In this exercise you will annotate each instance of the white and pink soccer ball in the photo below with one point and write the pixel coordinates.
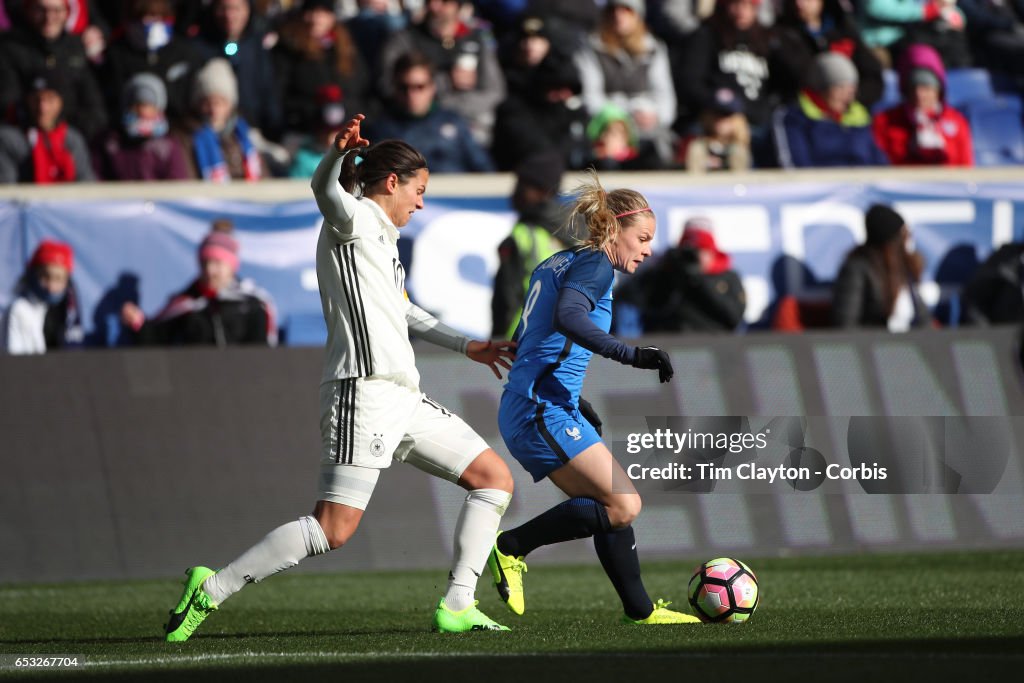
(723, 591)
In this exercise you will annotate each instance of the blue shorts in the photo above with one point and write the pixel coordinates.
(542, 436)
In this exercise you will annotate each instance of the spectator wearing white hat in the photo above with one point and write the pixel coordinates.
(220, 145)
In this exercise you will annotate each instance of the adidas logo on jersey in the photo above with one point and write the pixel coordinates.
(574, 433)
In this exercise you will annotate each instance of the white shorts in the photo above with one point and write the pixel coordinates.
(367, 423)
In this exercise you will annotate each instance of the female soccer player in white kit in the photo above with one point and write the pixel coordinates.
(372, 410)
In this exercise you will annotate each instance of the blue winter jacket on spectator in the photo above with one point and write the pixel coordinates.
(806, 137)
(442, 136)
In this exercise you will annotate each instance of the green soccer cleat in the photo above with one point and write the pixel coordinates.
(194, 606)
(663, 615)
(508, 578)
(469, 619)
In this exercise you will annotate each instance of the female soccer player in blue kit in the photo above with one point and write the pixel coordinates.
(565, 320)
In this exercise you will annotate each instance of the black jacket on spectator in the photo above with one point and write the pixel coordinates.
(995, 32)
(237, 315)
(300, 77)
(26, 54)
(176, 64)
(798, 48)
(716, 56)
(993, 295)
(678, 297)
(527, 123)
(858, 298)
(258, 101)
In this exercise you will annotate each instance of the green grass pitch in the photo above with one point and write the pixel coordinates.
(927, 617)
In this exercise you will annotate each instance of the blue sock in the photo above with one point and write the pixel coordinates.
(574, 518)
(617, 551)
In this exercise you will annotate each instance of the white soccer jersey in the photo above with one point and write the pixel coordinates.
(362, 285)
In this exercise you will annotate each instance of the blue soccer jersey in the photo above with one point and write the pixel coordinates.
(549, 367)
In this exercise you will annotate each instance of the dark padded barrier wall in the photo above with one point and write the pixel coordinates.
(140, 463)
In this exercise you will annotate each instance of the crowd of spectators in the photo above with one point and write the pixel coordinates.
(249, 89)
(692, 287)
(224, 90)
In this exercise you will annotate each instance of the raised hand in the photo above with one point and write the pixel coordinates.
(350, 137)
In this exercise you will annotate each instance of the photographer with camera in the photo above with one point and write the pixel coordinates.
(693, 287)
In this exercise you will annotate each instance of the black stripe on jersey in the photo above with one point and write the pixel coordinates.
(349, 296)
(362, 312)
(360, 343)
(350, 437)
(546, 435)
(339, 427)
(344, 445)
(553, 366)
(340, 419)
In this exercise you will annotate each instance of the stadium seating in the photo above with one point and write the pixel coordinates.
(996, 129)
(890, 92)
(968, 85)
(962, 85)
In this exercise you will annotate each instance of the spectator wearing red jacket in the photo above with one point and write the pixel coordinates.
(924, 129)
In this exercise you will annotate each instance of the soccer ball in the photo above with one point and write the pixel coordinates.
(723, 591)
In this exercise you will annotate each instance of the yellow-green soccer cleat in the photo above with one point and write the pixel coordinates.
(663, 615)
(508, 578)
(194, 606)
(469, 619)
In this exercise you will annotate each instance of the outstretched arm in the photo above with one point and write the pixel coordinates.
(427, 327)
(572, 320)
(430, 329)
(337, 206)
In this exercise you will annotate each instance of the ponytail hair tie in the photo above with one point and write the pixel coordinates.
(626, 213)
(358, 160)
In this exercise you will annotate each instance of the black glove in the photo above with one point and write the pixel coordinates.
(590, 415)
(653, 358)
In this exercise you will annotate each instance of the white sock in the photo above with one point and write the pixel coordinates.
(281, 549)
(474, 535)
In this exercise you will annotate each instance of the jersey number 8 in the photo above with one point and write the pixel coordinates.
(531, 301)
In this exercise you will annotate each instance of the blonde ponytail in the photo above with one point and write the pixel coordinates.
(603, 213)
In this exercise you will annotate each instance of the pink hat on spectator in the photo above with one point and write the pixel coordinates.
(220, 246)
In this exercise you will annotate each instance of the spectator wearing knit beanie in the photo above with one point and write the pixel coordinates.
(826, 126)
(141, 147)
(44, 315)
(221, 147)
(923, 129)
(877, 283)
(216, 309)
